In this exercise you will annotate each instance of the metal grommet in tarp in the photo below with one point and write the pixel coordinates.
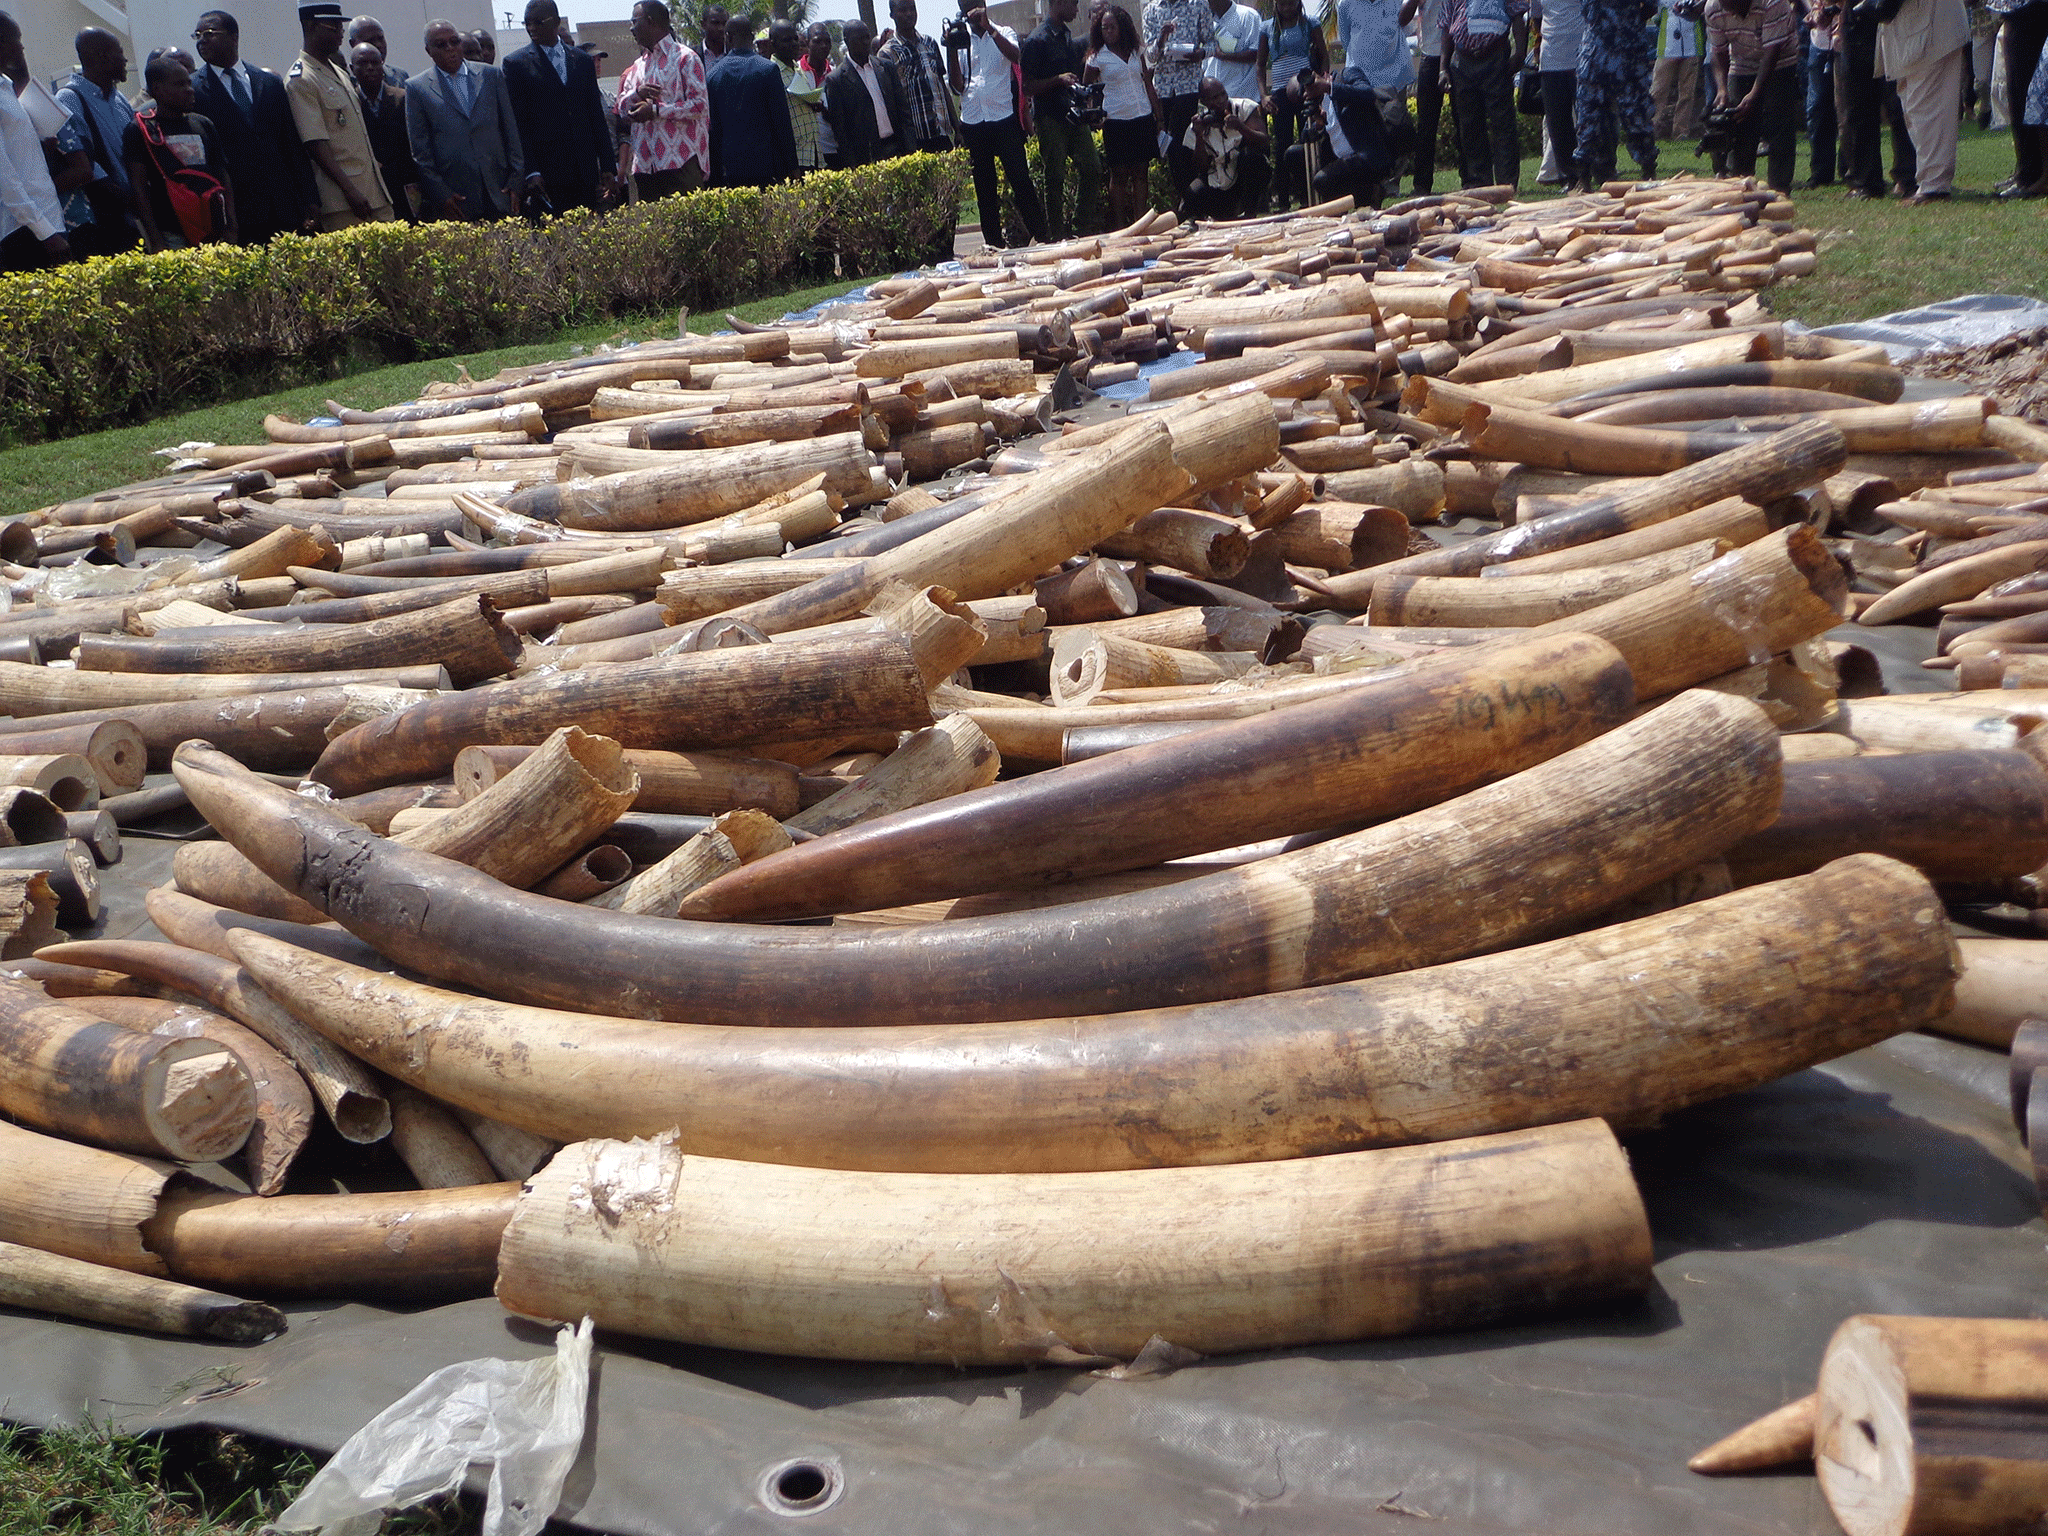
(802, 1486)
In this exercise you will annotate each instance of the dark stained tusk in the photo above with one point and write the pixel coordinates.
(1575, 1027)
(1418, 735)
(65, 1071)
(1573, 835)
(703, 699)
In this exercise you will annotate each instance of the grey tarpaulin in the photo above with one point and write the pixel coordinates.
(1968, 321)
(1890, 1181)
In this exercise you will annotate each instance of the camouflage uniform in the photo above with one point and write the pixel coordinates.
(1614, 77)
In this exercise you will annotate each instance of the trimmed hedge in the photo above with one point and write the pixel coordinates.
(120, 338)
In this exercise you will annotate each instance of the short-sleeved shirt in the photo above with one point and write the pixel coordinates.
(1481, 27)
(1746, 37)
(325, 106)
(1564, 25)
(77, 202)
(1194, 27)
(1287, 50)
(991, 93)
(1237, 31)
(1375, 48)
(191, 141)
(102, 117)
(1225, 139)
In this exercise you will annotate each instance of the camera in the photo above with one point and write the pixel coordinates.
(1084, 106)
(954, 32)
(1719, 135)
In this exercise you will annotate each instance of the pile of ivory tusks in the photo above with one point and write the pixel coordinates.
(820, 840)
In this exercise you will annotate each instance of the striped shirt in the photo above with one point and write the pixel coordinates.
(1287, 50)
(1745, 38)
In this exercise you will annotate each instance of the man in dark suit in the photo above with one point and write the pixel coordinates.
(383, 106)
(560, 112)
(267, 164)
(752, 143)
(864, 102)
(459, 118)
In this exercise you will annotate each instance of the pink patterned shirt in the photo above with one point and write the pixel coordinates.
(681, 127)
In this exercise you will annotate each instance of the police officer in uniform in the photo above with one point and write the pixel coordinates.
(330, 121)
(1614, 81)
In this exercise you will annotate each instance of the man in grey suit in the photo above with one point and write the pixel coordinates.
(459, 117)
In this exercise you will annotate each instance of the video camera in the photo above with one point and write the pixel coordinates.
(1718, 138)
(1084, 106)
(955, 33)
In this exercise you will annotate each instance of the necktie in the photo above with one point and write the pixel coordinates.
(465, 85)
(240, 92)
(559, 56)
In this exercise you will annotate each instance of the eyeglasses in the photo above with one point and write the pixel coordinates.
(205, 32)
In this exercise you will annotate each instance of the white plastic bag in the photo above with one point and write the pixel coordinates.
(524, 1418)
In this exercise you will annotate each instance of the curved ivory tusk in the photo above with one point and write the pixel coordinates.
(536, 817)
(705, 699)
(1499, 601)
(49, 1282)
(465, 636)
(1760, 472)
(66, 1071)
(1412, 736)
(215, 873)
(1555, 843)
(693, 783)
(987, 1269)
(1955, 816)
(1023, 531)
(26, 690)
(1734, 612)
(1630, 1022)
(352, 1097)
(1781, 1438)
(79, 1201)
(2001, 988)
(195, 924)
(427, 1242)
(436, 1150)
(284, 1104)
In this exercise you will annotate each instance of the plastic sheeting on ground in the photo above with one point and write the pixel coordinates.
(1890, 1181)
(1968, 321)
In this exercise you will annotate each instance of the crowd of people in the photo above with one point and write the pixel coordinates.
(1246, 110)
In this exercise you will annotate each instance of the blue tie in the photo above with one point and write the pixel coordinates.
(465, 87)
(240, 93)
(559, 57)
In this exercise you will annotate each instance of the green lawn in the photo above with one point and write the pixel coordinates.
(42, 473)
(89, 1482)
